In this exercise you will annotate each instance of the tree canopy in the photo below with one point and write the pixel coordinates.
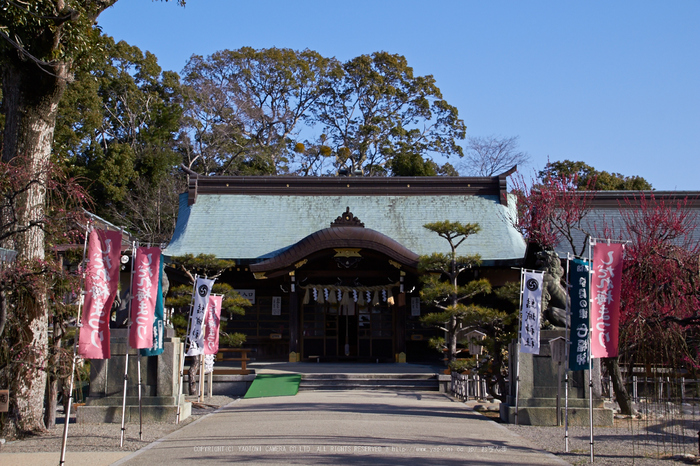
(40, 44)
(587, 177)
(378, 109)
(253, 111)
(245, 107)
(117, 131)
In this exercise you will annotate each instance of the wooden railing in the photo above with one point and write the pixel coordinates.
(222, 356)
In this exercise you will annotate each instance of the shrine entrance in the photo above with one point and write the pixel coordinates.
(348, 292)
(350, 332)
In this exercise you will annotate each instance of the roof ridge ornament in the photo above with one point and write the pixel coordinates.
(347, 220)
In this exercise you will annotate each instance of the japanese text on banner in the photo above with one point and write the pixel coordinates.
(605, 299)
(213, 319)
(145, 294)
(530, 313)
(579, 277)
(199, 311)
(158, 325)
(101, 281)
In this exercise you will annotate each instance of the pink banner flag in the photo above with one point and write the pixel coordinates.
(144, 295)
(101, 281)
(211, 329)
(605, 299)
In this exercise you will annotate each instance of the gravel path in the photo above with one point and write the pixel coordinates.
(627, 443)
(623, 444)
(106, 437)
(658, 439)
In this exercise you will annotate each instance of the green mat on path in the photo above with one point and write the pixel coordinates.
(274, 385)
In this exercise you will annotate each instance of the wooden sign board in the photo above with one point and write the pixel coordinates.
(558, 346)
(277, 305)
(247, 294)
(415, 307)
(473, 337)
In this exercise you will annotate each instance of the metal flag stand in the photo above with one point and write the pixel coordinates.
(520, 337)
(75, 349)
(126, 357)
(200, 392)
(568, 343)
(591, 243)
(138, 369)
(182, 352)
(517, 346)
(138, 355)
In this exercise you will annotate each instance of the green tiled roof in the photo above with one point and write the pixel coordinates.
(244, 226)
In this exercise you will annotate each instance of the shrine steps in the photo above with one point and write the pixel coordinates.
(353, 381)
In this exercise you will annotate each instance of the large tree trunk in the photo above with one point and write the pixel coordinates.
(453, 326)
(192, 373)
(30, 104)
(621, 395)
(54, 373)
(51, 402)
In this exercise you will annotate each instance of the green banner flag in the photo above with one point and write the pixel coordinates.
(158, 322)
(579, 351)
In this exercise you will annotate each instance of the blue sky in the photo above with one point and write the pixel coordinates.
(613, 84)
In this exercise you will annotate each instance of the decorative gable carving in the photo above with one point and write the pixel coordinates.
(347, 220)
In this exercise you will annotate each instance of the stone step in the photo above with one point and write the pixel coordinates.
(369, 376)
(419, 382)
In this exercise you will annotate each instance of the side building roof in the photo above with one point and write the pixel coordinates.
(256, 218)
(606, 210)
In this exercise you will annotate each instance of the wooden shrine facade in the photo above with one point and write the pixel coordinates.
(330, 264)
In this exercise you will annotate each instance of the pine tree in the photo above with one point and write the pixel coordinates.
(442, 288)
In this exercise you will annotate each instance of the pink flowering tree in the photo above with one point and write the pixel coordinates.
(660, 284)
(551, 211)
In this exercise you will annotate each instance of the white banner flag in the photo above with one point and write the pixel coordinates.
(199, 312)
(530, 313)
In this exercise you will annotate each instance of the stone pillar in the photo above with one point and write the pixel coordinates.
(537, 389)
(159, 384)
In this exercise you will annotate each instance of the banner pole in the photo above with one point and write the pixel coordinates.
(182, 352)
(126, 376)
(138, 368)
(591, 243)
(126, 357)
(75, 349)
(200, 392)
(517, 347)
(567, 352)
(179, 388)
(211, 384)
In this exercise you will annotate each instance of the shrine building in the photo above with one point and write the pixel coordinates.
(329, 264)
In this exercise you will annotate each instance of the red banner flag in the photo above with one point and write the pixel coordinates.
(144, 295)
(211, 330)
(605, 299)
(101, 281)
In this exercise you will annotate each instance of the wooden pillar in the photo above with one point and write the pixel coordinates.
(400, 325)
(294, 322)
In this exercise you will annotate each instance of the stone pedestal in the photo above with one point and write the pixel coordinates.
(537, 390)
(159, 384)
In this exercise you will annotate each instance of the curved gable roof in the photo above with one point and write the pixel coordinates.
(339, 237)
